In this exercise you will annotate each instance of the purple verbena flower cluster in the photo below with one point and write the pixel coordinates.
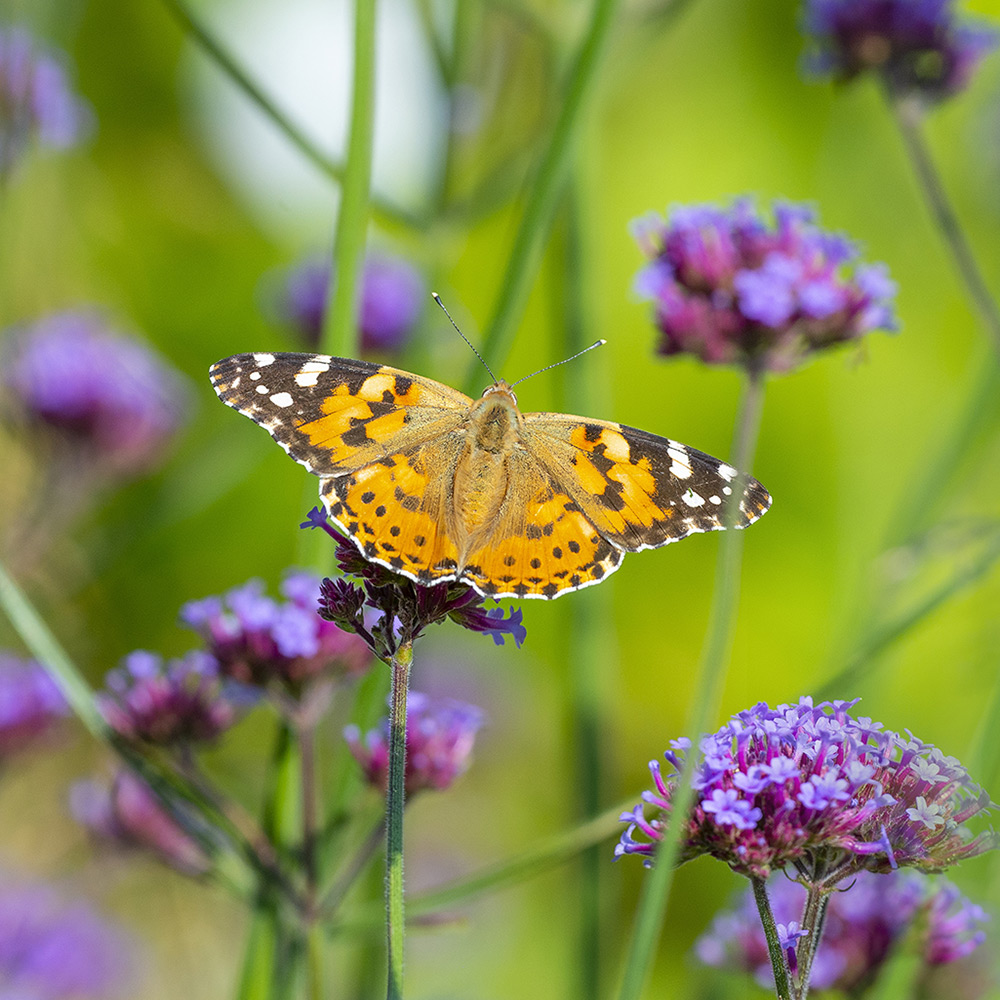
(920, 45)
(103, 393)
(731, 287)
(440, 734)
(392, 299)
(128, 814)
(258, 640)
(54, 949)
(815, 790)
(30, 704)
(386, 608)
(864, 922)
(36, 100)
(163, 703)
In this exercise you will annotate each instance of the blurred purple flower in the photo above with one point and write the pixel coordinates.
(258, 640)
(35, 99)
(731, 287)
(128, 814)
(864, 922)
(814, 790)
(440, 734)
(30, 703)
(398, 610)
(147, 700)
(392, 299)
(100, 391)
(53, 949)
(919, 45)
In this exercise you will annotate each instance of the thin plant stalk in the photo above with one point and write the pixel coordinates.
(310, 860)
(546, 191)
(401, 662)
(813, 919)
(340, 326)
(779, 966)
(385, 211)
(708, 687)
(908, 113)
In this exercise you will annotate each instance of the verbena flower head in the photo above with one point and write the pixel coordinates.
(392, 299)
(55, 949)
(864, 922)
(259, 640)
(440, 734)
(36, 101)
(921, 46)
(100, 392)
(30, 704)
(164, 703)
(128, 814)
(731, 286)
(387, 609)
(821, 793)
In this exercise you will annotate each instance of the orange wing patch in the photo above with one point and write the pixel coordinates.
(395, 510)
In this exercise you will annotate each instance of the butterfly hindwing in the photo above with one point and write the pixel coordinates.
(336, 414)
(640, 491)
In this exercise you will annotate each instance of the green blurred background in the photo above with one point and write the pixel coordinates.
(182, 207)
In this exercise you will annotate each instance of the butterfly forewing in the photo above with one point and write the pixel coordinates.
(640, 491)
(336, 414)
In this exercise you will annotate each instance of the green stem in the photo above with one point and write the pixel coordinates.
(778, 964)
(545, 193)
(909, 117)
(45, 648)
(310, 868)
(813, 918)
(715, 655)
(340, 327)
(386, 211)
(401, 662)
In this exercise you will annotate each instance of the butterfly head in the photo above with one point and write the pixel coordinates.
(496, 418)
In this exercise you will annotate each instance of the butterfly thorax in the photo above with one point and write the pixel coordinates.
(481, 475)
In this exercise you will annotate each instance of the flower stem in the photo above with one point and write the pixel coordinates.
(386, 211)
(546, 190)
(402, 659)
(909, 116)
(340, 328)
(45, 648)
(714, 658)
(813, 918)
(314, 939)
(774, 950)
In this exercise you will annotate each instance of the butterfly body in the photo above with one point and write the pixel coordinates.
(440, 487)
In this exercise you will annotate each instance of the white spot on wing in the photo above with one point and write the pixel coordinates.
(693, 499)
(679, 466)
(254, 376)
(306, 379)
(263, 360)
(727, 472)
(262, 389)
(282, 399)
(715, 499)
(728, 490)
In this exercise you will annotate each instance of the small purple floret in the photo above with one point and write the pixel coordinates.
(919, 45)
(30, 704)
(36, 101)
(101, 392)
(732, 287)
(802, 785)
(392, 299)
(440, 734)
(864, 922)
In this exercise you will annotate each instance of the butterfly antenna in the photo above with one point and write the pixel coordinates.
(597, 343)
(437, 299)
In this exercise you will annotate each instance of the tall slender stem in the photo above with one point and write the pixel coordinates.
(395, 801)
(340, 320)
(385, 210)
(813, 918)
(778, 964)
(310, 863)
(909, 116)
(546, 190)
(712, 669)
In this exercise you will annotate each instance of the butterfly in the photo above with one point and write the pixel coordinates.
(440, 487)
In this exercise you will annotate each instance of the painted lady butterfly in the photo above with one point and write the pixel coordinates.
(437, 486)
